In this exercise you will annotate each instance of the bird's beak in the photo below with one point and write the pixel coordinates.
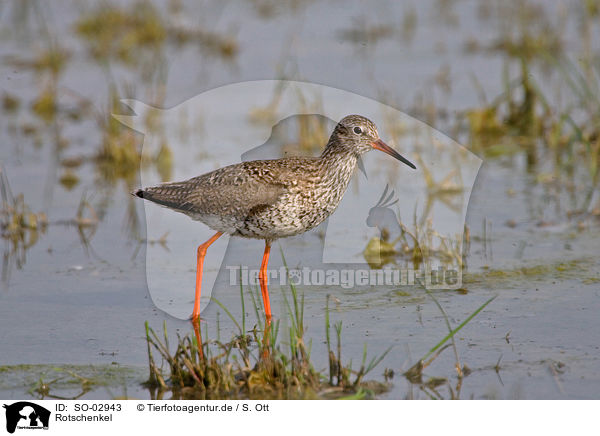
(382, 146)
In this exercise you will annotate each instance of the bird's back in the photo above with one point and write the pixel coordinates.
(227, 197)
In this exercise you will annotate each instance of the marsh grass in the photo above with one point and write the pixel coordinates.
(522, 118)
(561, 145)
(119, 155)
(135, 34)
(20, 227)
(340, 375)
(257, 363)
(273, 360)
(415, 372)
(248, 366)
(67, 382)
(10, 103)
(362, 33)
(429, 385)
(418, 245)
(511, 122)
(116, 32)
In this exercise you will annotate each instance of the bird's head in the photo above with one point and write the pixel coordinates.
(360, 135)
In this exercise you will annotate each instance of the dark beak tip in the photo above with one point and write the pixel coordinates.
(382, 146)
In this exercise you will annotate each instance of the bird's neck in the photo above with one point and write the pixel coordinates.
(339, 163)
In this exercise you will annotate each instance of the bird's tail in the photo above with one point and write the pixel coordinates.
(172, 195)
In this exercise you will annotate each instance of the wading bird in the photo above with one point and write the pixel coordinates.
(271, 199)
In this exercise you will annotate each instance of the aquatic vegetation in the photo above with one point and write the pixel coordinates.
(19, 226)
(525, 31)
(164, 162)
(115, 32)
(120, 156)
(340, 374)
(268, 9)
(45, 106)
(17, 218)
(409, 24)
(560, 142)
(66, 382)
(415, 373)
(256, 363)
(52, 59)
(223, 46)
(421, 244)
(48, 63)
(522, 119)
(10, 103)
(582, 270)
(313, 133)
(264, 362)
(310, 132)
(126, 34)
(365, 34)
(511, 123)
(541, 126)
(69, 179)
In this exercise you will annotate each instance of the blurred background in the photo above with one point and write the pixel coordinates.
(516, 82)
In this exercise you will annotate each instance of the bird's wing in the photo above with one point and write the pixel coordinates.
(233, 191)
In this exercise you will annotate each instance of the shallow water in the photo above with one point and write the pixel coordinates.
(76, 304)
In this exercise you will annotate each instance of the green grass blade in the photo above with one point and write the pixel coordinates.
(229, 315)
(457, 329)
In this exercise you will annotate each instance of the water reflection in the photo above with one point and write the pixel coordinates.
(20, 227)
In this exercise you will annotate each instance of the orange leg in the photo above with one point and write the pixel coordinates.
(262, 278)
(201, 253)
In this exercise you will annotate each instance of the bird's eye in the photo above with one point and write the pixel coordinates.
(358, 130)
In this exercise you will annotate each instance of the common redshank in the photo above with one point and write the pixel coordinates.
(272, 199)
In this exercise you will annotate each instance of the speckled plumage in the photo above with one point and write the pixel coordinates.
(271, 199)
